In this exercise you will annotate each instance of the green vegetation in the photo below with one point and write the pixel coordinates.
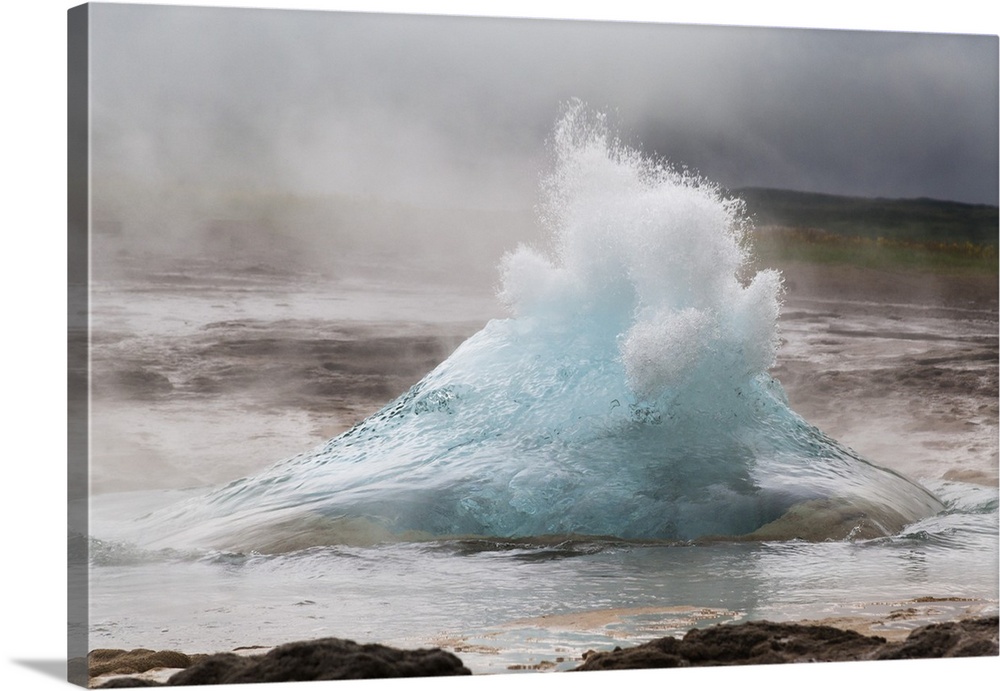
(777, 245)
(920, 234)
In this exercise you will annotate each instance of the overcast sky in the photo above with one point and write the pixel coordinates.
(457, 110)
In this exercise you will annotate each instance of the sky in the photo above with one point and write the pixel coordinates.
(456, 110)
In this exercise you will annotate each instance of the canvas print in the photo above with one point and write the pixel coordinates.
(411, 345)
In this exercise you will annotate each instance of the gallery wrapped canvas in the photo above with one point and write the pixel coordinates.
(413, 345)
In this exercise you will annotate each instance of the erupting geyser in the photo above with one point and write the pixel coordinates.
(628, 396)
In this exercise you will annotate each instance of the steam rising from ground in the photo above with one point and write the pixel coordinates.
(297, 137)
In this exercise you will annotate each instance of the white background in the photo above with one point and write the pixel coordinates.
(33, 357)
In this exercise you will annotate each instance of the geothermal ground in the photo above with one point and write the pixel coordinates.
(207, 375)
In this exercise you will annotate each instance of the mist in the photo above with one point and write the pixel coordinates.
(316, 137)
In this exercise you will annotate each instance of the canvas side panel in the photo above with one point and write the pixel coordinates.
(78, 344)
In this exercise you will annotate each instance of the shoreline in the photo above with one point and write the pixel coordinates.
(745, 643)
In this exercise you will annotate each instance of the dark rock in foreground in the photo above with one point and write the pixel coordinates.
(763, 642)
(128, 683)
(967, 638)
(758, 642)
(323, 659)
(114, 661)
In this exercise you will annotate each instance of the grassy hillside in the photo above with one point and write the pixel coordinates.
(923, 234)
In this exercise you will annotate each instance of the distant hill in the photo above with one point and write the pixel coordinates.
(907, 220)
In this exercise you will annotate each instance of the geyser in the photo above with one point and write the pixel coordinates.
(627, 396)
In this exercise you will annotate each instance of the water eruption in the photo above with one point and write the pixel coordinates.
(626, 396)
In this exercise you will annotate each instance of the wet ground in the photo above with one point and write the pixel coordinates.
(901, 368)
(204, 375)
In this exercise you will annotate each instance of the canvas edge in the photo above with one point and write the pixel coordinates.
(78, 341)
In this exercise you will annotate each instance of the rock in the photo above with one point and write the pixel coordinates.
(763, 642)
(215, 669)
(323, 659)
(115, 661)
(966, 638)
(758, 642)
(127, 683)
